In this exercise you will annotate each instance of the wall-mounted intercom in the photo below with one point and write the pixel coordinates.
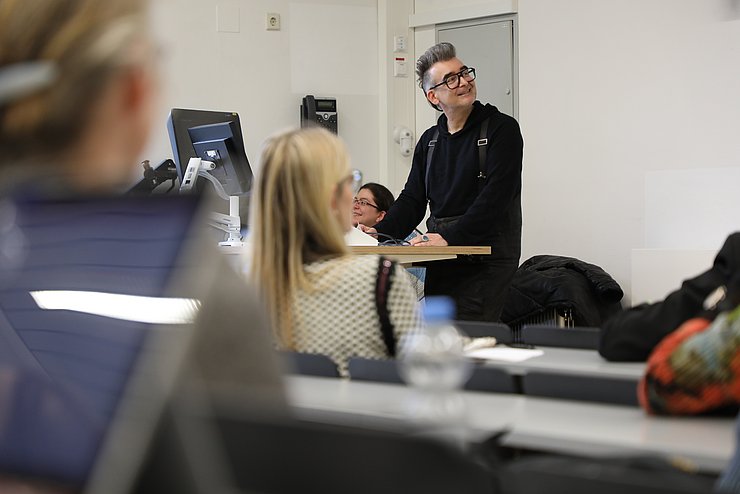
(405, 140)
(321, 111)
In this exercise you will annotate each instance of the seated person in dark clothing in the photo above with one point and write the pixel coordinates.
(632, 334)
(694, 370)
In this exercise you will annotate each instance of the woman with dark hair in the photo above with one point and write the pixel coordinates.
(371, 204)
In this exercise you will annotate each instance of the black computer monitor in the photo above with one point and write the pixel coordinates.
(212, 136)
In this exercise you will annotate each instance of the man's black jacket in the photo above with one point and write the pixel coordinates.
(490, 216)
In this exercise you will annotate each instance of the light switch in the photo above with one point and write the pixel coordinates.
(399, 43)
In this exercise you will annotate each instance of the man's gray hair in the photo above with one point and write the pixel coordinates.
(441, 52)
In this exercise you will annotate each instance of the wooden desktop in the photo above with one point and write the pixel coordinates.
(407, 255)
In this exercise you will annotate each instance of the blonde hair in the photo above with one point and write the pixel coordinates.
(292, 222)
(84, 42)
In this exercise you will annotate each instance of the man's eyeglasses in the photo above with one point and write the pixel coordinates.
(452, 81)
(364, 203)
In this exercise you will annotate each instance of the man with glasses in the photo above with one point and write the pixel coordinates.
(467, 167)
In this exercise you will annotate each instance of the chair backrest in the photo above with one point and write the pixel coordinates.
(586, 338)
(598, 389)
(310, 364)
(337, 459)
(482, 378)
(363, 369)
(477, 329)
(546, 474)
(492, 380)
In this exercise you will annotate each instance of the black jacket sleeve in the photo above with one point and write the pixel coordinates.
(632, 334)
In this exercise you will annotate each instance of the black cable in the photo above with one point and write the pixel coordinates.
(390, 240)
(154, 177)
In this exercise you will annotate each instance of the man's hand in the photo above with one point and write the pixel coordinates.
(429, 240)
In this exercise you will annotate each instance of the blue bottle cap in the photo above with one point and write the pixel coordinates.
(439, 308)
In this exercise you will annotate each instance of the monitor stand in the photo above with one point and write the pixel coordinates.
(229, 223)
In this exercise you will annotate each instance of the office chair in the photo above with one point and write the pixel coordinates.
(492, 380)
(482, 378)
(363, 369)
(583, 338)
(309, 364)
(275, 457)
(592, 388)
(477, 329)
(549, 474)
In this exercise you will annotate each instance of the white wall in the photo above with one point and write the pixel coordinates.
(611, 91)
(620, 99)
(396, 93)
(325, 48)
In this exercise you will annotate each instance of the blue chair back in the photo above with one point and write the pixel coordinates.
(310, 364)
(477, 329)
(583, 338)
(592, 388)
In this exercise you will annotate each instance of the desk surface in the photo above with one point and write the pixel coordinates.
(408, 254)
(536, 423)
(573, 361)
(404, 249)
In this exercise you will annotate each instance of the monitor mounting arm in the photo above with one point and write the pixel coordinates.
(229, 223)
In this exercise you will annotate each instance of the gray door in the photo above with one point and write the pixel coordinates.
(487, 45)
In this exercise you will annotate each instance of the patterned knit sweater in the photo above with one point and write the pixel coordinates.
(696, 368)
(338, 316)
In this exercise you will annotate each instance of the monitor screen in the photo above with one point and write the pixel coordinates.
(213, 136)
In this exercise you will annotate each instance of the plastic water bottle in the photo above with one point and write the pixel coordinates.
(432, 361)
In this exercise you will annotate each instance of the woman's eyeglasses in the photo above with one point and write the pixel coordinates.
(364, 203)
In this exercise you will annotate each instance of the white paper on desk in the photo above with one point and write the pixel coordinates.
(505, 354)
(355, 236)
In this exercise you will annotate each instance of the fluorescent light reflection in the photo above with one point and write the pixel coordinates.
(150, 310)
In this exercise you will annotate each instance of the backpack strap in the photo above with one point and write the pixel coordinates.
(482, 148)
(430, 157)
(383, 284)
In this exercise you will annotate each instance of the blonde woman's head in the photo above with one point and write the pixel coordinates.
(303, 196)
(300, 210)
(76, 87)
